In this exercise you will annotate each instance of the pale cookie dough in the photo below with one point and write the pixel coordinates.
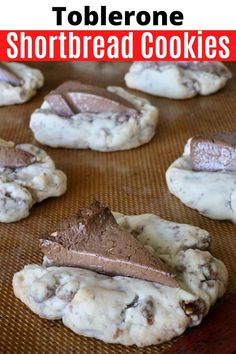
(213, 194)
(105, 131)
(21, 187)
(15, 201)
(127, 310)
(32, 80)
(178, 80)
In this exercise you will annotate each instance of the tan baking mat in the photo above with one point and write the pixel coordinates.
(130, 182)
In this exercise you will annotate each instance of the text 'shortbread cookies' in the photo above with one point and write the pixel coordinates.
(178, 80)
(204, 177)
(118, 304)
(82, 116)
(27, 175)
(18, 83)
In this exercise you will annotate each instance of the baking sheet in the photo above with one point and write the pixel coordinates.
(131, 182)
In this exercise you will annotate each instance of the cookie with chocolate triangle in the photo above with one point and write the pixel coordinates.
(92, 239)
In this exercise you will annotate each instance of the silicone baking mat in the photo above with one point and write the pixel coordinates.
(131, 182)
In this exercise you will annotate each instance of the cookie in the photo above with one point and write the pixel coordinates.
(201, 180)
(80, 116)
(27, 176)
(127, 310)
(18, 83)
(178, 80)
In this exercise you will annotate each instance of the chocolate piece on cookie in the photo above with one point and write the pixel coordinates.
(193, 177)
(18, 83)
(80, 116)
(27, 176)
(120, 309)
(92, 239)
(13, 158)
(214, 152)
(7, 75)
(177, 80)
(73, 97)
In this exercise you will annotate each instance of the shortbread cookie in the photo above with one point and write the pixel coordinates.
(118, 309)
(27, 175)
(18, 83)
(178, 80)
(204, 177)
(15, 201)
(87, 117)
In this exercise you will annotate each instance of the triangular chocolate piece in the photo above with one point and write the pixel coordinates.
(7, 75)
(12, 157)
(92, 239)
(73, 97)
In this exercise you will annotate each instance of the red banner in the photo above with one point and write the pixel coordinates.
(117, 45)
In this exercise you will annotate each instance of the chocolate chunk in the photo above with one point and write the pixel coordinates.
(197, 307)
(92, 239)
(60, 105)
(12, 157)
(148, 311)
(7, 75)
(214, 152)
(73, 97)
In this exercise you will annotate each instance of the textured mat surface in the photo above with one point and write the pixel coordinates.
(131, 182)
